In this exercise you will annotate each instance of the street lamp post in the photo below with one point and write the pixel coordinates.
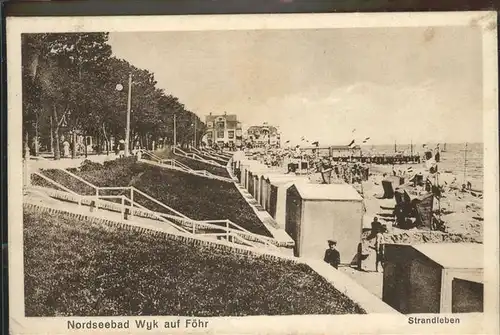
(195, 132)
(119, 88)
(175, 130)
(129, 106)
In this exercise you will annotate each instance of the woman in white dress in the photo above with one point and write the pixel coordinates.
(66, 149)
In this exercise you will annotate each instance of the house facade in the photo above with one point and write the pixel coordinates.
(263, 135)
(223, 130)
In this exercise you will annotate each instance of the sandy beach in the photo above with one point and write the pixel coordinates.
(462, 212)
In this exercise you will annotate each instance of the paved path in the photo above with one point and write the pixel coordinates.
(370, 280)
(45, 162)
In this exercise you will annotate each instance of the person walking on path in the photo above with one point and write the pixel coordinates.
(332, 255)
(121, 148)
(66, 149)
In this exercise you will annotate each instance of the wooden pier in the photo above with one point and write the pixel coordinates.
(380, 159)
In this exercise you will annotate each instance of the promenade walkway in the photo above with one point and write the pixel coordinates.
(45, 161)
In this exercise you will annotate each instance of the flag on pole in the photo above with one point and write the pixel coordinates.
(315, 143)
(354, 130)
(287, 141)
(366, 140)
(351, 144)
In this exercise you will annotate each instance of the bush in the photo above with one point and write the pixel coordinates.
(88, 165)
(77, 268)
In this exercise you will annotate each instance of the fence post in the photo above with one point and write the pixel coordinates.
(122, 209)
(131, 202)
(227, 230)
(96, 199)
(194, 227)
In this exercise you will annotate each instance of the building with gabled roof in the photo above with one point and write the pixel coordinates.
(263, 135)
(223, 130)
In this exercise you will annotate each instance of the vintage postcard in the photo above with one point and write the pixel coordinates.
(242, 174)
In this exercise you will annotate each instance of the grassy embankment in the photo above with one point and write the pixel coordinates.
(77, 268)
(194, 164)
(196, 197)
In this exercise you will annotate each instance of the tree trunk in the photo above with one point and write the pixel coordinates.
(26, 172)
(51, 144)
(36, 137)
(55, 129)
(98, 143)
(85, 145)
(108, 141)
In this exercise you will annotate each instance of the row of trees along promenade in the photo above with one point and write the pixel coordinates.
(70, 86)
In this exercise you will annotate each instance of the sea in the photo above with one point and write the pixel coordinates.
(454, 158)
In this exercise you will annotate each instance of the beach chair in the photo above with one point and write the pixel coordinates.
(388, 189)
(423, 211)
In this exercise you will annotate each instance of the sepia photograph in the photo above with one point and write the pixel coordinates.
(280, 169)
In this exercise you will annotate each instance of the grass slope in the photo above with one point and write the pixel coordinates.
(193, 164)
(76, 268)
(197, 197)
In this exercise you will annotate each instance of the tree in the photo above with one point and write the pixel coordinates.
(69, 86)
(59, 72)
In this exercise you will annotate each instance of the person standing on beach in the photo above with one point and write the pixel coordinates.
(332, 255)
(375, 226)
(379, 249)
(437, 154)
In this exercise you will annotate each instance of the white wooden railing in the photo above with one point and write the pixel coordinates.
(213, 152)
(175, 164)
(229, 230)
(208, 154)
(194, 156)
(216, 155)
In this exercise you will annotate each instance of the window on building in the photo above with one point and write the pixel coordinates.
(220, 124)
(209, 135)
(210, 124)
(230, 134)
(220, 134)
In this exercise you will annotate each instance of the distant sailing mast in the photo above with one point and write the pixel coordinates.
(465, 163)
(444, 147)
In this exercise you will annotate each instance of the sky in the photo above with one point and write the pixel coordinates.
(329, 85)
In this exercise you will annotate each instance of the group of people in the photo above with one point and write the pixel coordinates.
(66, 147)
(349, 173)
(293, 160)
(332, 255)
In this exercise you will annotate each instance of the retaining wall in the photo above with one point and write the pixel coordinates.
(341, 282)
